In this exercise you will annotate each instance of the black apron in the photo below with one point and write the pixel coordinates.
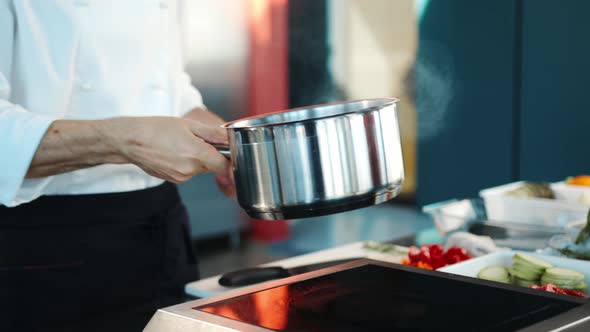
(103, 262)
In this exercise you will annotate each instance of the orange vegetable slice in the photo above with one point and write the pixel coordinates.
(580, 180)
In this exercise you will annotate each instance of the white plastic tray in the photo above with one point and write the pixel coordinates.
(471, 267)
(549, 212)
(570, 193)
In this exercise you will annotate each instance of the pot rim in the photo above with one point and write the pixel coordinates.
(265, 120)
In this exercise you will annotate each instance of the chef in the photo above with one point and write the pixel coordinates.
(98, 120)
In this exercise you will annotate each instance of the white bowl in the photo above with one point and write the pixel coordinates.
(471, 267)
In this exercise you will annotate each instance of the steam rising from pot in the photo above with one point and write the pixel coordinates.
(433, 87)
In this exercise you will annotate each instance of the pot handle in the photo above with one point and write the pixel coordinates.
(223, 149)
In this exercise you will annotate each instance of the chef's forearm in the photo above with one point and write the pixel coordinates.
(69, 145)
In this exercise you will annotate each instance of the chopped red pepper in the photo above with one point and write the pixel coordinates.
(437, 257)
(459, 252)
(436, 249)
(549, 287)
(572, 292)
(434, 256)
(414, 254)
(425, 254)
(456, 255)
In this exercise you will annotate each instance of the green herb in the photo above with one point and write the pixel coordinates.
(584, 234)
(384, 247)
(533, 189)
(577, 254)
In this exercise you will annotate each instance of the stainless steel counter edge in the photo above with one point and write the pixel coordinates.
(575, 320)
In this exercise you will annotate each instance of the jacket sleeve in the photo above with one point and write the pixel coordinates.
(20, 130)
(190, 97)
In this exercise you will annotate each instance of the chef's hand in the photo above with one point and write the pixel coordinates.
(173, 149)
(224, 179)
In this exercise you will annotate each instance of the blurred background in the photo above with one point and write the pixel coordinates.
(491, 92)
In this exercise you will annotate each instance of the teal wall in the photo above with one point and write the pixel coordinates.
(555, 92)
(465, 93)
(518, 76)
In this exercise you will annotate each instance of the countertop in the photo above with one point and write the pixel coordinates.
(210, 286)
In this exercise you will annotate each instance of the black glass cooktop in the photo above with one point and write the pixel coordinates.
(379, 298)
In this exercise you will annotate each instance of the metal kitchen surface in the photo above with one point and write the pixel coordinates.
(367, 295)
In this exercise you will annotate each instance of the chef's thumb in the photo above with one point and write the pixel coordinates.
(211, 134)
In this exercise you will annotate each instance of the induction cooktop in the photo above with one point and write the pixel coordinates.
(374, 296)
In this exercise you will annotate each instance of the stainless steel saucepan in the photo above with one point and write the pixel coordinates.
(316, 160)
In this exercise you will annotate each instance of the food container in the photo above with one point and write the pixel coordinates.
(453, 215)
(471, 267)
(469, 215)
(572, 193)
(542, 211)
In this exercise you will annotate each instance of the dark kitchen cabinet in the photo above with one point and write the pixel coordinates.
(555, 98)
(517, 72)
(464, 98)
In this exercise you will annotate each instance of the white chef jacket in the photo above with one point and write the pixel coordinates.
(85, 59)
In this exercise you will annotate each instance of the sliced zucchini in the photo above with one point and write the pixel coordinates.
(527, 267)
(564, 278)
(518, 265)
(523, 282)
(495, 273)
(533, 262)
(560, 284)
(558, 273)
(525, 275)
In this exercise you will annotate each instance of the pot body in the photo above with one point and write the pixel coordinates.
(318, 160)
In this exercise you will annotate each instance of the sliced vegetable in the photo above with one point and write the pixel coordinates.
(425, 255)
(582, 287)
(527, 267)
(530, 271)
(437, 257)
(580, 180)
(563, 278)
(533, 189)
(559, 273)
(495, 273)
(525, 275)
(414, 254)
(558, 283)
(434, 256)
(437, 249)
(522, 282)
(532, 261)
(423, 265)
(456, 255)
(385, 247)
(555, 289)
(576, 293)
